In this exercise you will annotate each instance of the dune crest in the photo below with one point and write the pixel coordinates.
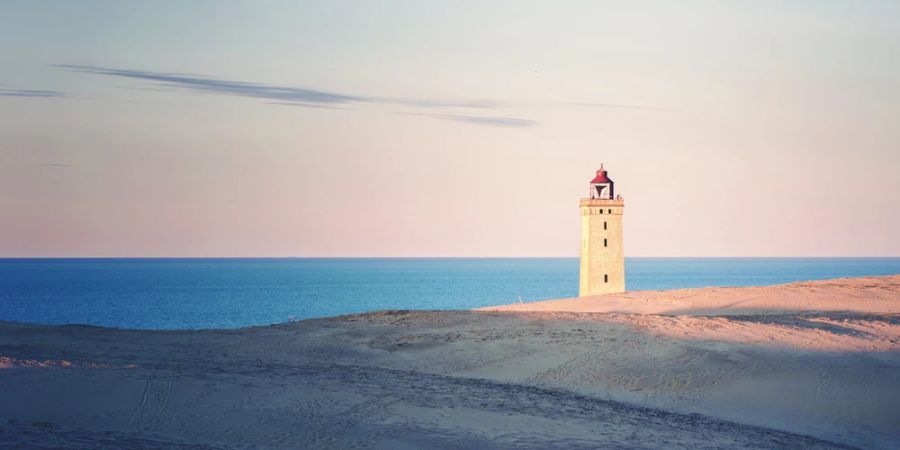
(847, 314)
(877, 295)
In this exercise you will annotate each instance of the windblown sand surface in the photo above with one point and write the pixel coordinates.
(852, 314)
(804, 365)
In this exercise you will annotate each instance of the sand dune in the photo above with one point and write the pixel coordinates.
(874, 295)
(804, 365)
(850, 314)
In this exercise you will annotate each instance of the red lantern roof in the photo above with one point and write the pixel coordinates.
(601, 176)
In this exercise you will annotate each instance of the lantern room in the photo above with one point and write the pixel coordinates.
(602, 186)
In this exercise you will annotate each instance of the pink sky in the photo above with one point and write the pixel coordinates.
(742, 130)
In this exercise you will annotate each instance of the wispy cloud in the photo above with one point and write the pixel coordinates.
(31, 93)
(513, 122)
(495, 121)
(422, 103)
(213, 85)
(280, 94)
(309, 105)
(320, 98)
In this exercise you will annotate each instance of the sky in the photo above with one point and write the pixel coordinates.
(457, 128)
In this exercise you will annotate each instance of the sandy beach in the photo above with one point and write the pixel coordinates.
(801, 365)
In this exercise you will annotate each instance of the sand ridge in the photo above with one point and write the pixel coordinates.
(849, 314)
(876, 295)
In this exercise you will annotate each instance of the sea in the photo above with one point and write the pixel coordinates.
(198, 293)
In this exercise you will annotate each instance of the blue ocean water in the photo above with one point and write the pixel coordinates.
(230, 293)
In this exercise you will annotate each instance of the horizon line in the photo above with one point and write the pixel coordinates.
(437, 257)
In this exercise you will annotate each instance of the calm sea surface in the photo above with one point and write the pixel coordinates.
(229, 293)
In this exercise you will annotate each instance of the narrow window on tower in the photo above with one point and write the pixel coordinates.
(604, 225)
(609, 211)
(604, 242)
(605, 278)
(601, 210)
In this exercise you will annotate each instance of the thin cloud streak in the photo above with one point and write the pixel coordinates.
(311, 105)
(472, 104)
(496, 121)
(317, 98)
(212, 85)
(282, 94)
(512, 122)
(269, 91)
(37, 93)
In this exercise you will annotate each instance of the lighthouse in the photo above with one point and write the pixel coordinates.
(602, 258)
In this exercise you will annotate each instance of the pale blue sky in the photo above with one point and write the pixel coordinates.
(447, 128)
